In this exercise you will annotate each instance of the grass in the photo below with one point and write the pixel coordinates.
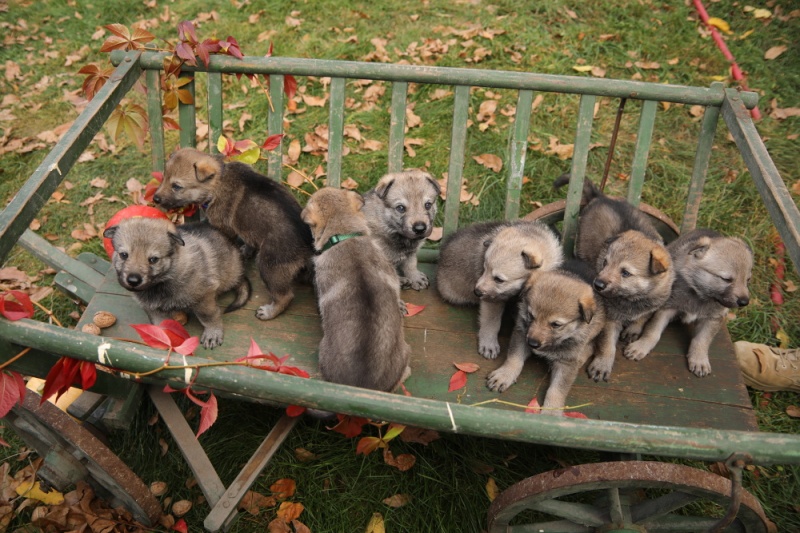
(341, 490)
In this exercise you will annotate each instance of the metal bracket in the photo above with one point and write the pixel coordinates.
(735, 464)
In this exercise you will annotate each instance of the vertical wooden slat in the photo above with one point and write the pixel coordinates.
(275, 126)
(700, 169)
(214, 110)
(517, 153)
(153, 80)
(458, 141)
(336, 133)
(578, 172)
(397, 125)
(186, 119)
(646, 122)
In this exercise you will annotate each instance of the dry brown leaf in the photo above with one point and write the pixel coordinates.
(158, 488)
(293, 152)
(283, 489)
(789, 286)
(410, 142)
(289, 511)
(697, 110)
(314, 101)
(293, 22)
(491, 489)
(181, 507)
(775, 51)
(412, 120)
(352, 131)
(487, 110)
(647, 65)
(402, 462)
(793, 411)
(13, 70)
(243, 119)
(300, 527)
(35, 225)
(278, 526)
(440, 94)
(436, 234)
(598, 72)
(398, 500)
(100, 183)
(371, 145)
(295, 179)
(350, 184)
(305, 456)
(420, 435)
(796, 187)
(563, 151)
(490, 161)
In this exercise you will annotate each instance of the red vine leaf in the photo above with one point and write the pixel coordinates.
(457, 381)
(131, 119)
(180, 526)
(349, 426)
(230, 46)
(295, 410)
(272, 142)
(206, 48)
(289, 85)
(67, 372)
(575, 414)
(96, 77)
(15, 305)
(186, 32)
(12, 390)
(208, 410)
(534, 407)
(413, 309)
(469, 368)
(122, 39)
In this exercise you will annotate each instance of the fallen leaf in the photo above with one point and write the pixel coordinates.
(375, 524)
(413, 309)
(99, 183)
(398, 500)
(403, 462)
(793, 411)
(563, 151)
(490, 161)
(457, 381)
(719, 24)
(283, 489)
(350, 184)
(371, 145)
(762, 13)
(775, 51)
(303, 455)
(181, 507)
(314, 101)
(436, 234)
(419, 435)
(575, 414)
(582, 68)
(789, 286)
(533, 407)
(289, 511)
(469, 368)
(697, 110)
(647, 65)
(491, 489)
(278, 526)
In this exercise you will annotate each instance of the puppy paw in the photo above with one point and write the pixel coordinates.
(600, 369)
(417, 281)
(403, 308)
(631, 333)
(267, 312)
(699, 365)
(636, 351)
(489, 348)
(501, 379)
(211, 338)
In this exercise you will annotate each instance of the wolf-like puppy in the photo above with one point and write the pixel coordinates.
(711, 276)
(400, 212)
(559, 318)
(184, 268)
(487, 264)
(241, 202)
(634, 272)
(358, 295)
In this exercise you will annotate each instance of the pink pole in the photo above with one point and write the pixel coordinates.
(736, 72)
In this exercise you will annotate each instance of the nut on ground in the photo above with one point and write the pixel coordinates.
(180, 317)
(92, 329)
(104, 319)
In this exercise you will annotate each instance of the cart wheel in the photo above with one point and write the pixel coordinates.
(71, 453)
(622, 496)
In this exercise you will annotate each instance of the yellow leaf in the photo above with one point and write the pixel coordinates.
(28, 489)
(491, 489)
(221, 144)
(781, 335)
(583, 68)
(719, 78)
(249, 156)
(746, 34)
(762, 13)
(376, 524)
(719, 24)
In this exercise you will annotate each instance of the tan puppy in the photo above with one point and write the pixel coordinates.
(171, 269)
(559, 319)
(487, 264)
(241, 202)
(400, 212)
(712, 273)
(358, 294)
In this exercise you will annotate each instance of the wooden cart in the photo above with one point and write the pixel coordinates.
(642, 410)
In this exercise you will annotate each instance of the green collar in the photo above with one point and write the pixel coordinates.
(336, 239)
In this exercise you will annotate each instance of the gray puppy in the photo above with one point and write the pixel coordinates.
(559, 318)
(712, 273)
(487, 264)
(183, 268)
(400, 212)
(358, 295)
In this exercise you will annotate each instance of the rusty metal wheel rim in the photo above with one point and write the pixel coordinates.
(688, 484)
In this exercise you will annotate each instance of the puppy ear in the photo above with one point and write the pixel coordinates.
(611, 239)
(659, 261)
(531, 258)
(356, 200)
(177, 239)
(587, 307)
(700, 247)
(383, 186)
(435, 185)
(205, 169)
(309, 213)
(110, 232)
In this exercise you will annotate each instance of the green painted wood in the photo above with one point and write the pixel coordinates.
(456, 76)
(700, 169)
(55, 258)
(23, 207)
(74, 286)
(647, 120)
(275, 126)
(336, 133)
(455, 172)
(215, 117)
(781, 207)
(397, 125)
(187, 118)
(519, 148)
(96, 263)
(154, 113)
(580, 155)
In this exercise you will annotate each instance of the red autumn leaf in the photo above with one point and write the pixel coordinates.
(284, 488)
(272, 142)
(96, 77)
(153, 336)
(575, 414)
(413, 309)
(457, 381)
(122, 39)
(289, 86)
(208, 410)
(295, 410)
(185, 51)
(172, 66)
(12, 390)
(367, 445)
(534, 407)
(349, 426)
(207, 47)
(469, 368)
(275, 363)
(170, 123)
(66, 373)
(150, 190)
(405, 390)
(186, 31)
(775, 294)
(15, 305)
(230, 46)
(180, 526)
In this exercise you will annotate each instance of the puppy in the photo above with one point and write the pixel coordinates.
(634, 271)
(487, 264)
(171, 269)
(559, 318)
(711, 276)
(400, 212)
(358, 293)
(241, 202)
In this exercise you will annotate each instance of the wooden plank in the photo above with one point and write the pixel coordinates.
(96, 263)
(519, 148)
(187, 116)
(700, 168)
(580, 156)
(154, 112)
(397, 124)
(781, 207)
(647, 120)
(55, 258)
(23, 207)
(215, 117)
(455, 172)
(275, 126)
(74, 287)
(336, 132)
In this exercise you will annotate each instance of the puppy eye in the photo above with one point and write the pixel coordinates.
(726, 279)
(176, 187)
(152, 260)
(428, 205)
(605, 262)
(498, 279)
(400, 209)
(123, 255)
(625, 273)
(531, 317)
(556, 325)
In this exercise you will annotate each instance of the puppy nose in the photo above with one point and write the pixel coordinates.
(134, 280)
(599, 285)
(742, 301)
(419, 227)
(157, 199)
(533, 343)
(478, 292)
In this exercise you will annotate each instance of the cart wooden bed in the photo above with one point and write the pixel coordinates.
(646, 408)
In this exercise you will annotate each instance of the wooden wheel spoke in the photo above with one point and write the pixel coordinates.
(558, 526)
(578, 513)
(680, 524)
(652, 509)
(618, 507)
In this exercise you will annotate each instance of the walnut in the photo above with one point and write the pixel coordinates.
(104, 319)
(92, 329)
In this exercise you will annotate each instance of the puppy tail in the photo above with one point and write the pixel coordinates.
(243, 291)
(590, 191)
